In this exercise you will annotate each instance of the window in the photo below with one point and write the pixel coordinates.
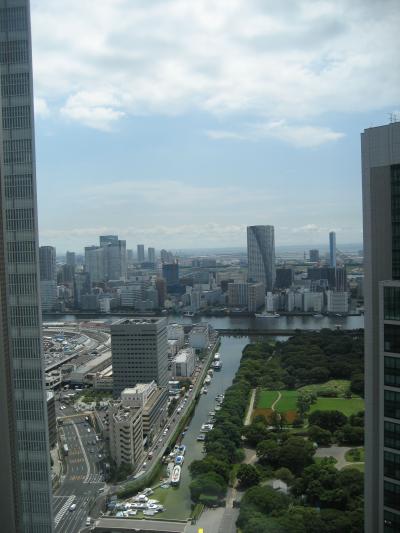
(19, 219)
(392, 404)
(13, 19)
(392, 338)
(15, 84)
(16, 117)
(27, 348)
(12, 52)
(20, 284)
(391, 495)
(21, 251)
(26, 316)
(392, 303)
(392, 465)
(19, 186)
(392, 371)
(17, 151)
(392, 522)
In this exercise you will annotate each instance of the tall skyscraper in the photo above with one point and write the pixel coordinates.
(314, 256)
(381, 207)
(70, 259)
(151, 255)
(261, 255)
(25, 485)
(140, 253)
(332, 249)
(170, 272)
(139, 352)
(107, 261)
(47, 263)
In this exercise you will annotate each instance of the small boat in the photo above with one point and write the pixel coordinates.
(201, 437)
(218, 408)
(318, 315)
(204, 390)
(205, 428)
(267, 315)
(179, 460)
(211, 413)
(217, 356)
(211, 372)
(176, 475)
(182, 449)
(217, 365)
(189, 314)
(207, 381)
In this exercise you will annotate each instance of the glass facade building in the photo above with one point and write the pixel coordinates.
(24, 447)
(261, 255)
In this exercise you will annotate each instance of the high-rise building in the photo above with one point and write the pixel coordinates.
(82, 287)
(261, 255)
(139, 352)
(140, 253)
(108, 239)
(284, 278)
(332, 249)
(314, 256)
(47, 262)
(381, 207)
(151, 255)
(95, 264)
(70, 259)
(170, 272)
(107, 261)
(25, 485)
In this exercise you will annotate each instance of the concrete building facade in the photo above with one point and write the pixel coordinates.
(25, 482)
(381, 209)
(139, 352)
(126, 435)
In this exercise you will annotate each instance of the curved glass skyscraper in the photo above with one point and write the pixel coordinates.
(25, 484)
(261, 255)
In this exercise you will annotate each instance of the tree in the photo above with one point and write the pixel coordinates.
(210, 484)
(268, 452)
(322, 437)
(255, 432)
(285, 475)
(210, 464)
(330, 420)
(352, 435)
(296, 453)
(248, 476)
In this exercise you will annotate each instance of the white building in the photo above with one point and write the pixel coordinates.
(152, 400)
(337, 302)
(199, 336)
(238, 294)
(313, 301)
(184, 363)
(126, 435)
(176, 333)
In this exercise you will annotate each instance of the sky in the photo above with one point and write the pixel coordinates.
(176, 123)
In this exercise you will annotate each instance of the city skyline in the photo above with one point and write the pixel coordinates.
(202, 122)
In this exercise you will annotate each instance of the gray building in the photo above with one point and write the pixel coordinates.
(139, 352)
(151, 255)
(70, 259)
(25, 482)
(314, 255)
(332, 249)
(261, 255)
(47, 262)
(381, 206)
(140, 253)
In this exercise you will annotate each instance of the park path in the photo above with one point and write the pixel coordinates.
(247, 420)
(276, 401)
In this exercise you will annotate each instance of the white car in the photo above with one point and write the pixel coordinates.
(88, 521)
(72, 507)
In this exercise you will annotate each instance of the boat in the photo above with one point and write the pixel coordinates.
(211, 372)
(318, 315)
(205, 428)
(267, 315)
(207, 381)
(218, 408)
(211, 413)
(189, 314)
(176, 475)
(201, 437)
(182, 449)
(204, 390)
(217, 356)
(217, 365)
(179, 460)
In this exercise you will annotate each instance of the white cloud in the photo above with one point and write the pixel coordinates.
(301, 136)
(267, 59)
(41, 108)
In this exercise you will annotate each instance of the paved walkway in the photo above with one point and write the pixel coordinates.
(338, 452)
(247, 420)
(276, 401)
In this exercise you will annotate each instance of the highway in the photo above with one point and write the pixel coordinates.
(83, 478)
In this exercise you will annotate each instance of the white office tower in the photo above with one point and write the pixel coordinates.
(381, 207)
(332, 249)
(139, 352)
(337, 302)
(314, 302)
(25, 484)
(261, 255)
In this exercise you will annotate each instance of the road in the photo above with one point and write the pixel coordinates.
(83, 478)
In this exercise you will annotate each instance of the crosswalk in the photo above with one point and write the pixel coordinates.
(64, 508)
(94, 478)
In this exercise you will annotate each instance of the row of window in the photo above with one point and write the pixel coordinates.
(391, 462)
(392, 303)
(391, 522)
(28, 379)
(21, 251)
(16, 117)
(392, 371)
(18, 186)
(24, 316)
(13, 19)
(391, 495)
(392, 435)
(392, 338)
(22, 284)
(16, 84)
(17, 151)
(13, 52)
(34, 471)
(392, 404)
(20, 219)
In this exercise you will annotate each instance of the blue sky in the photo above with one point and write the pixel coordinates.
(178, 124)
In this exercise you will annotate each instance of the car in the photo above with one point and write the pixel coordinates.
(88, 430)
(99, 456)
(72, 507)
(101, 489)
(144, 465)
(88, 521)
(91, 451)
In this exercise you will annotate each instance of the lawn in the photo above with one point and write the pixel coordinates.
(347, 407)
(357, 466)
(355, 455)
(338, 385)
(266, 398)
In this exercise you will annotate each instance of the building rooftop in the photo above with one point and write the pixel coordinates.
(139, 321)
(182, 355)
